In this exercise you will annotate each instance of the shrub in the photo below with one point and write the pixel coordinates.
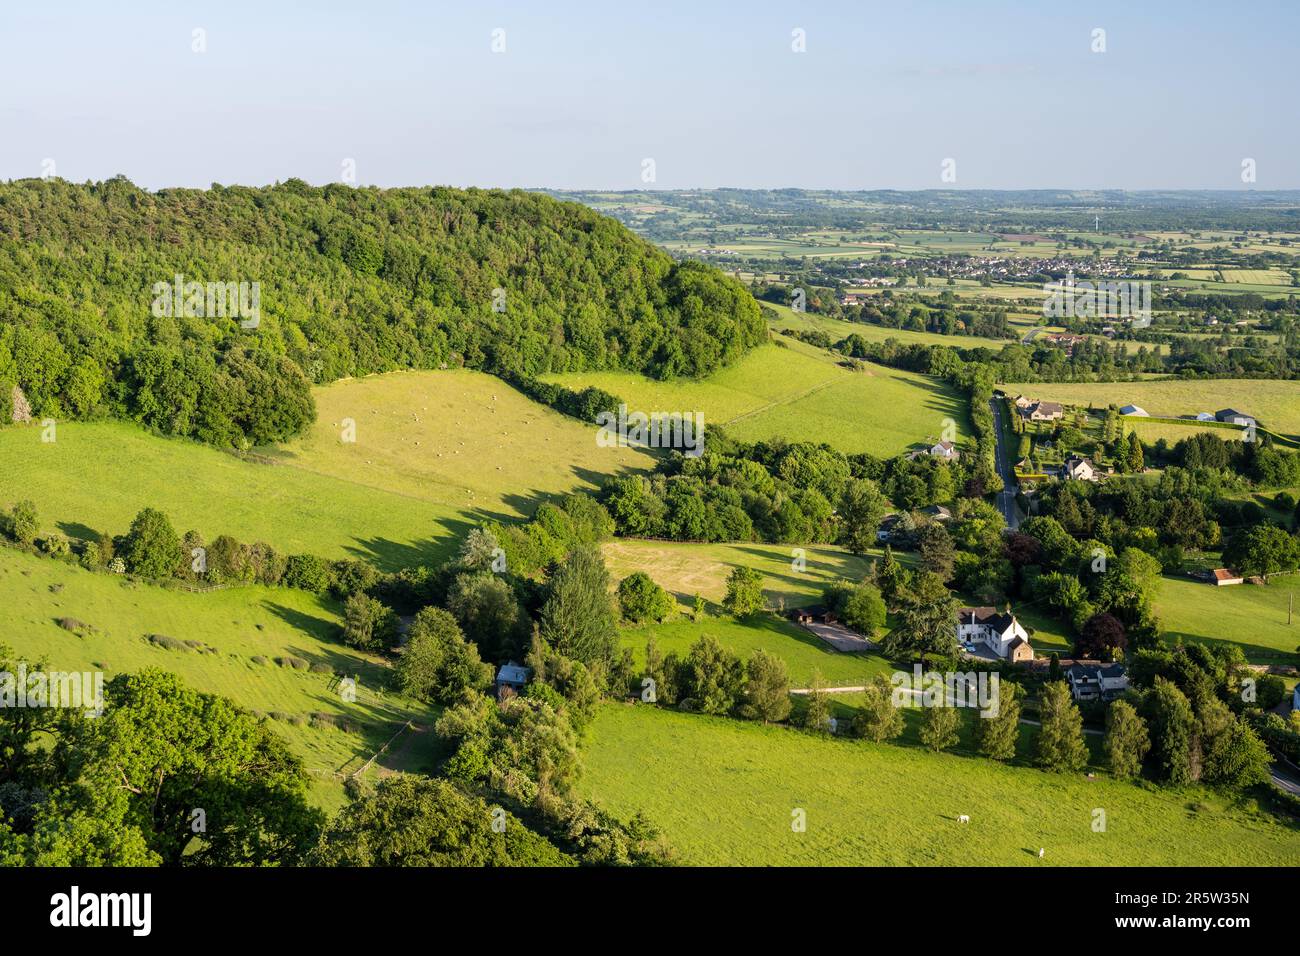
(1269, 691)
(640, 599)
(24, 523)
(367, 624)
(167, 643)
(56, 545)
(307, 572)
(861, 606)
(744, 592)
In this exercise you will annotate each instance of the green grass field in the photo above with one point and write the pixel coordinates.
(460, 439)
(1256, 276)
(686, 570)
(1151, 432)
(801, 393)
(234, 626)
(1253, 616)
(804, 653)
(1275, 404)
(724, 792)
(405, 493)
(98, 475)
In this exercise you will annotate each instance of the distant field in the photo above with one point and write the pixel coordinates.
(1276, 404)
(724, 791)
(456, 438)
(689, 569)
(800, 393)
(803, 652)
(1250, 615)
(98, 475)
(1256, 276)
(838, 329)
(238, 624)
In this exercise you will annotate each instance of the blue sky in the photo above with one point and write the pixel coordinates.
(712, 92)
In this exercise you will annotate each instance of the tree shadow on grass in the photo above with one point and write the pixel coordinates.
(940, 398)
(75, 529)
(320, 627)
(815, 564)
(388, 555)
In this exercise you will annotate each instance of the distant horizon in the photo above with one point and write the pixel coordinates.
(1236, 193)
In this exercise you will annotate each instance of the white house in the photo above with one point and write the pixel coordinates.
(999, 631)
(1134, 410)
(945, 450)
(1204, 417)
(1090, 681)
(1080, 469)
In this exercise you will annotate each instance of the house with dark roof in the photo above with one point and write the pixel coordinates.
(1234, 417)
(999, 631)
(1036, 410)
(1094, 681)
(937, 513)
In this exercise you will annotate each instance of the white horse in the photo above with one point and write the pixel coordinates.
(963, 819)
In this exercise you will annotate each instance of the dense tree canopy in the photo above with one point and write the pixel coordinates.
(349, 281)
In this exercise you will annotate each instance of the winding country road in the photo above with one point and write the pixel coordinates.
(1002, 459)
